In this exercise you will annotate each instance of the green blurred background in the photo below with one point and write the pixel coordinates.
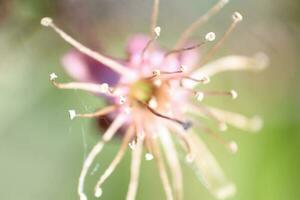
(41, 150)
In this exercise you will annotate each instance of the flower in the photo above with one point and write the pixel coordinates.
(152, 94)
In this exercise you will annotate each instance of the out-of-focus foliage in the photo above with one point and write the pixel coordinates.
(42, 151)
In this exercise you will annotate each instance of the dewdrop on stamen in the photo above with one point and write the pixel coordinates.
(98, 192)
(211, 36)
(72, 114)
(233, 94)
(237, 17)
(53, 76)
(46, 21)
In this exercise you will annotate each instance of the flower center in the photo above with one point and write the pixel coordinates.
(142, 90)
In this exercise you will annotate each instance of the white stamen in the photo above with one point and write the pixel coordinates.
(53, 76)
(104, 87)
(205, 79)
(156, 72)
(234, 94)
(157, 31)
(223, 126)
(132, 144)
(98, 192)
(183, 68)
(72, 114)
(199, 96)
(122, 99)
(152, 103)
(237, 17)
(211, 36)
(233, 146)
(148, 156)
(46, 21)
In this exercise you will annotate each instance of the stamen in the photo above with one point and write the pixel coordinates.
(184, 49)
(149, 156)
(236, 17)
(117, 67)
(72, 114)
(206, 112)
(154, 17)
(156, 31)
(185, 125)
(90, 87)
(53, 76)
(232, 93)
(114, 163)
(211, 36)
(98, 113)
(135, 171)
(231, 146)
(199, 96)
(191, 29)
(162, 170)
(204, 79)
(172, 160)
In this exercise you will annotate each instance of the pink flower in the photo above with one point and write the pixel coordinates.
(153, 95)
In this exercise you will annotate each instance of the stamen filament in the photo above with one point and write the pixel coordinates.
(154, 16)
(90, 87)
(186, 125)
(98, 113)
(200, 21)
(184, 49)
(236, 17)
(162, 170)
(48, 22)
(94, 152)
(115, 161)
(135, 170)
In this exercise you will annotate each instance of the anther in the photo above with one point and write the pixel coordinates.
(104, 88)
(149, 156)
(237, 17)
(234, 94)
(72, 114)
(122, 99)
(187, 125)
(183, 68)
(132, 144)
(157, 31)
(98, 192)
(53, 76)
(156, 72)
(211, 36)
(152, 103)
(46, 21)
(199, 96)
